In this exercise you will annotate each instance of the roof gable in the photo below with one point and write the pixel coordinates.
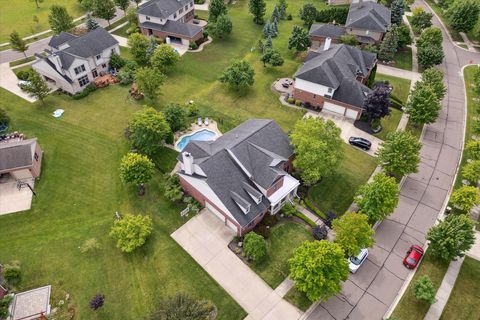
(162, 8)
(369, 16)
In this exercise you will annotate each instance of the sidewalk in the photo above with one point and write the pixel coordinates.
(395, 72)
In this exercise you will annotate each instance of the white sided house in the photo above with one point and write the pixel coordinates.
(75, 61)
(242, 175)
(332, 79)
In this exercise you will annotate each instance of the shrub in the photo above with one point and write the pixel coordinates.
(424, 290)
(255, 246)
(171, 187)
(4, 304)
(116, 61)
(289, 209)
(4, 118)
(97, 301)
(291, 100)
(192, 109)
(305, 218)
(24, 74)
(472, 148)
(127, 74)
(337, 14)
(298, 103)
(12, 273)
(193, 45)
(131, 231)
(90, 245)
(471, 171)
(82, 94)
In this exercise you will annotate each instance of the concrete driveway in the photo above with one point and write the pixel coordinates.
(206, 238)
(9, 81)
(348, 129)
(277, 85)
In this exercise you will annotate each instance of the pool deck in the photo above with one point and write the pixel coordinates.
(194, 127)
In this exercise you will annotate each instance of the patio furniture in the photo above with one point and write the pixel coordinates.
(199, 121)
(206, 122)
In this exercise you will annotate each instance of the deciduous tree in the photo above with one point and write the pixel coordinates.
(257, 9)
(430, 55)
(377, 104)
(400, 153)
(223, 27)
(148, 130)
(240, 74)
(164, 57)
(452, 237)
(216, 8)
(404, 37)
(136, 169)
(255, 246)
(349, 39)
(104, 9)
(131, 231)
(430, 36)
(378, 198)
(272, 57)
(423, 289)
(463, 15)
(139, 45)
(123, 4)
(318, 148)
(423, 106)
(37, 87)
(421, 19)
(465, 198)
(17, 43)
(149, 82)
(299, 40)
(318, 268)
(176, 116)
(434, 79)
(59, 19)
(353, 233)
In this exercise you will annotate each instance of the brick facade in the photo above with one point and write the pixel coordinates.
(315, 100)
(164, 35)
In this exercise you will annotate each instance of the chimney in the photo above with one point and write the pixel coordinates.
(328, 42)
(187, 163)
(360, 3)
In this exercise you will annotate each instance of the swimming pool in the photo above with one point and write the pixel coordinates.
(201, 135)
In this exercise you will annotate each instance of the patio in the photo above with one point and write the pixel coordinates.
(12, 199)
(30, 305)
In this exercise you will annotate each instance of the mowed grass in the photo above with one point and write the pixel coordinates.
(463, 301)
(335, 193)
(401, 87)
(18, 15)
(403, 59)
(283, 240)
(409, 307)
(298, 299)
(77, 195)
(389, 123)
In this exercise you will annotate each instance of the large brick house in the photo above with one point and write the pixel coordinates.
(333, 79)
(170, 20)
(241, 176)
(75, 61)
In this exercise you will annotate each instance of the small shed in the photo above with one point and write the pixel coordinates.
(30, 305)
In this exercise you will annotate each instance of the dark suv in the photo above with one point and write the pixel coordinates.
(362, 143)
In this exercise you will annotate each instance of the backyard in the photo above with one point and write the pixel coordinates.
(283, 240)
(21, 10)
(463, 301)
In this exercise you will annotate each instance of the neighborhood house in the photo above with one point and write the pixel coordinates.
(75, 61)
(170, 20)
(332, 79)
(242, 175)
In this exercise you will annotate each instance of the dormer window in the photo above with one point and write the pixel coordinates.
(147, 17)
(330, 90)
(98, 57)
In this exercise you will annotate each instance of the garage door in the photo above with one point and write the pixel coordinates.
(352, 114)
(334, 108)
(220, 216)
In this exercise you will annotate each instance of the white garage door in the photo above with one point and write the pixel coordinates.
(352, 114)
(334, 108)
(220, 216)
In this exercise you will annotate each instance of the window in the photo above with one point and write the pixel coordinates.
(191, 4)
(174, 16)
(147, 17)
(314, 96)
(186, 7)
(94, 73)
(113, 51)
(98, 57)
(35, 156)
(79, 69)
(330, 90)
(104, 65)
(180, 11)
(83, 81)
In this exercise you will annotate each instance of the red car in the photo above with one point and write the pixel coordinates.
(414, 254)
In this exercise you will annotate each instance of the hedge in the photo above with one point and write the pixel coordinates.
(313, 208)
(337, 14)
(82, 94)
(305, 218)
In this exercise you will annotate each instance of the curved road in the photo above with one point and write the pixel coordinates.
(369, 293)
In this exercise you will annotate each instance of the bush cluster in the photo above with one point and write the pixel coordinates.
(337, 14)
(82, 94)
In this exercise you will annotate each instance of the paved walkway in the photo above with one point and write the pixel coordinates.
(202, 7)
(400, 73)
(474, 252)
(122, 41)
(467, 42)
(9, 81)
(206, 238)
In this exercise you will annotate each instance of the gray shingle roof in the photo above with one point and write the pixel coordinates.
(174, 27)
(16, 155)
(91, 43)
(327, 30)
(369, 16)
(339, 66)
(260, 146)
(60, 39)
(162, 8)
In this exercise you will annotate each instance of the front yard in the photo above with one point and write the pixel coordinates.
(283, 240)
(463, 301)
(403, 59)
(336, 193)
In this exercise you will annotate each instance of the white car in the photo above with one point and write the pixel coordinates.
(354, 263)
(23, 83)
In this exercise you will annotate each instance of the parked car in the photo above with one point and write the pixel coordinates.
(354, 263)
(413, 257)
(361, 143)
(23, 83)
(287, 83)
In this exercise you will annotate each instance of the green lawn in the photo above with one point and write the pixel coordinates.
(122, 32)
(409, 308)
(389, 123)
(283, 240)
(21, 61)
(416, 130)
(463, 301)
(403, 59)
(298, 299)
(336, 193)
(401, 87)
(17, 11)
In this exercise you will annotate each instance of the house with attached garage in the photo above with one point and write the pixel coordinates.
(74, 61)
(241, 176)
(170, 20)
(333, 79)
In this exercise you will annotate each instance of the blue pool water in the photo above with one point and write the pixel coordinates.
(202, 135)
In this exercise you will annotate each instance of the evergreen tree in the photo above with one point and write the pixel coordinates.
(215, 9)
(223, 26)
(276, 13)
(91, 23)
(388, 47)
(282, 9)
(397, 9)
(299, 40)
(268, 43)
(272, 57)
(308, 14)
(17, 43)
(151, 48)
(257, 8)
(59, 19)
